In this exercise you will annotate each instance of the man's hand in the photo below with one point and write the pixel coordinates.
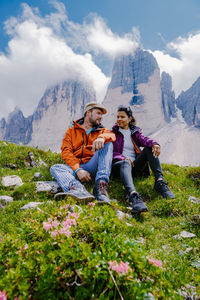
(83, 176)
(98, 144)
(156, 150)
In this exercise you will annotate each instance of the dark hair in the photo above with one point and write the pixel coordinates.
(129, 113)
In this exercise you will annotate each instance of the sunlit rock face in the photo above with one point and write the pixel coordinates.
(57, 109)
(136, 82)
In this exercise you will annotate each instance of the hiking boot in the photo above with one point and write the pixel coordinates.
(137, 203)
(100, 191)
(162, 188)
(76, 191)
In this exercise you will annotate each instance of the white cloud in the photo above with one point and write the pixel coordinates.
(184, 68)
(102, 39)
(41, 53)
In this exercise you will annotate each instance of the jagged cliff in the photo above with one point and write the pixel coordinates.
(55, 112)
(189, 103)
(168, 97)
(57, 109)
(136, 82)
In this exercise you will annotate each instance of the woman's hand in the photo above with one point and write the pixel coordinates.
(156, 150)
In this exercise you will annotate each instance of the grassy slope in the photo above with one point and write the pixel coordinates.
(155, 230)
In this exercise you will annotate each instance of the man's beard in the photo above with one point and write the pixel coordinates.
(94, 122)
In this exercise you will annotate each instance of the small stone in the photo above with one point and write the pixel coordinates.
(13, 181)
(5, 200)
(42, 163)
(184, 234)
(31, 205)
(37, 175)
(193, 199)
(10, 166)
(47, 186)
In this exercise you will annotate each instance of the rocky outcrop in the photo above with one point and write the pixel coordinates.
(57, 109)
(17, 129)
(168, 97)
(136, 82)
(59, 106)
(189, 103)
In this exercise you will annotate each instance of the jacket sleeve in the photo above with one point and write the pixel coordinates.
(67, 151)
(143, 140)
(107, 135)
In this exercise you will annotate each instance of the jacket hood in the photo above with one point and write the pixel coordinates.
(80, 122)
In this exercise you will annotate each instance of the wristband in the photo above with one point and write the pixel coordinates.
(77, 170)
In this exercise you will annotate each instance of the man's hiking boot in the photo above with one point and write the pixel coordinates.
(78, 192)
(100, 191)
(137, 203)
(162, 188)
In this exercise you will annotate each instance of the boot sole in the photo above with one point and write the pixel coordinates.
(84, 200)
(138, 212)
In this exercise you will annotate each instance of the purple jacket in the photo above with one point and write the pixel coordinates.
(138, 140)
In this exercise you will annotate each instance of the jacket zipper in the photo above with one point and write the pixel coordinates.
(82, 147)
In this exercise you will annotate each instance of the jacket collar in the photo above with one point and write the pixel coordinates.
(133, 128)
(79, 123)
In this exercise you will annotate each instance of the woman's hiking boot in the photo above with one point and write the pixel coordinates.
(162, 188)
(137, 203)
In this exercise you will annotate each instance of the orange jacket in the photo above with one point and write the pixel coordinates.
(76, 146)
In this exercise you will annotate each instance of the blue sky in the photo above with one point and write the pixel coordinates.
(41, 42)
(171, 18)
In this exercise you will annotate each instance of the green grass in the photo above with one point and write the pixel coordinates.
(34, 265)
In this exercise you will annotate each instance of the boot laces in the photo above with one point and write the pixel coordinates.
(103, 188)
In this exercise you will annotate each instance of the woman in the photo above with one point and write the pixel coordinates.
(129, 159)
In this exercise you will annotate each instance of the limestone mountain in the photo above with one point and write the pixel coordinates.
(57, 109)
(55, 112)
(189, 103)
(136, 82)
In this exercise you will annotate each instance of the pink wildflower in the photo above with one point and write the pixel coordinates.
(3, 295)
(122, 267)
(65, 206)
(16, 298)
(91, 204)
(74, 215)
(25, 246)
(69, 222)
(65, 231)
(55, 223)
(54, 233)
(47, 226)
(157, 263)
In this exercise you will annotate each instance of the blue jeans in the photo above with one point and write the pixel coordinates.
(99, 167)
(126, 172)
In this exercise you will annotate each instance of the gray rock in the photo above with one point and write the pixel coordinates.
(12, 181)
(184, 234)
(31, 205)
(193, 199)
(47, 186)
(37, 175)
(168, 97)
(189, 103)
(17, 129)
(5, 200)
(121, 215)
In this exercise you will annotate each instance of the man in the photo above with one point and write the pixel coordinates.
(87, 150)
